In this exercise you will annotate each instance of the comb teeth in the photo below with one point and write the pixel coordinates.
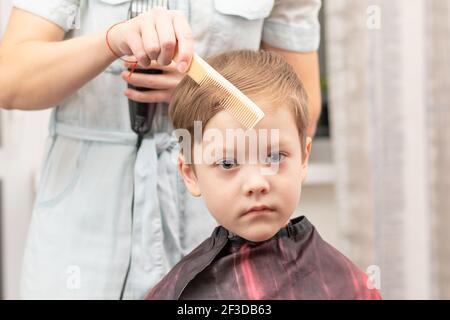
(235, 102)
(245, 113)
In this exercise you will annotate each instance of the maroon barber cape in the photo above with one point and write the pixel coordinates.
(294, 264)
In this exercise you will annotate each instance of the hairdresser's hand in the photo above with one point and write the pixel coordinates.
(155, 35)
(162, 85)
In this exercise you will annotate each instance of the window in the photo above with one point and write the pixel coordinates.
(323, 128)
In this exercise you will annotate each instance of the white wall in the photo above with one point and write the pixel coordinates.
(318, 201)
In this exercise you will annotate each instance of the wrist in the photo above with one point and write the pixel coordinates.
(111, 36)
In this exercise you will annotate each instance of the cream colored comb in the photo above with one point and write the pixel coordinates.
(238, 104)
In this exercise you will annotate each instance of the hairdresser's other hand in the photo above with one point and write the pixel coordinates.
(155, 35)
(162, 85)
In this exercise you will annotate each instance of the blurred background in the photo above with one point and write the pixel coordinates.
(379, 175)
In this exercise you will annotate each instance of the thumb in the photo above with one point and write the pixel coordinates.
(183, 61)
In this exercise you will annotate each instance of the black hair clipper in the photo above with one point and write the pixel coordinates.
(141, 114)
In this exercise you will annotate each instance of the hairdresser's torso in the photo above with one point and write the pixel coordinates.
(217, 26)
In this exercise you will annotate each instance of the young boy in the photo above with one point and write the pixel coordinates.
(256, 252)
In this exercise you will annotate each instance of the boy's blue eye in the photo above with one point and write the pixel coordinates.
(227, 164)
(275, 157)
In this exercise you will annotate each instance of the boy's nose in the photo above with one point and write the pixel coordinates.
(255, 183)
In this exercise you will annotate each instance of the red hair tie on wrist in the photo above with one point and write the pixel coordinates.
(135, 63)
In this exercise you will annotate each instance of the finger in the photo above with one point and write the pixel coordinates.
(172, 67)
(150, 37)
(129, 63)
(185, 41)
(152, 96)
(154, 81)
(136, 46)
(166, 34)
(131, 59)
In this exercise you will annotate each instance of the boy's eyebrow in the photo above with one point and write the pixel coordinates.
(282, 143)
(228, 151)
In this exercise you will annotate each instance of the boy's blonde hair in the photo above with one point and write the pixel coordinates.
(258, 74)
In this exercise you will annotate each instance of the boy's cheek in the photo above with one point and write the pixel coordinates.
(217, 193)
(289, 189)
(304, 171)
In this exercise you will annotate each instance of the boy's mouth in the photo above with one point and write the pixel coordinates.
(259, 209)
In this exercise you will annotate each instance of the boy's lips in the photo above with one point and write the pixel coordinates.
(258, 209)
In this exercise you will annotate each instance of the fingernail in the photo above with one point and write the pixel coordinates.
(182, 67)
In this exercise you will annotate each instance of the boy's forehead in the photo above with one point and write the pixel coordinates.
(222, 120)
(280, 120)
(275, 117)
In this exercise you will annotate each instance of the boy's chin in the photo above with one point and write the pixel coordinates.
(259, 235)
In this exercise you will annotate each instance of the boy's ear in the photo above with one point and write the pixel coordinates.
(188, 174)
(305, 156)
